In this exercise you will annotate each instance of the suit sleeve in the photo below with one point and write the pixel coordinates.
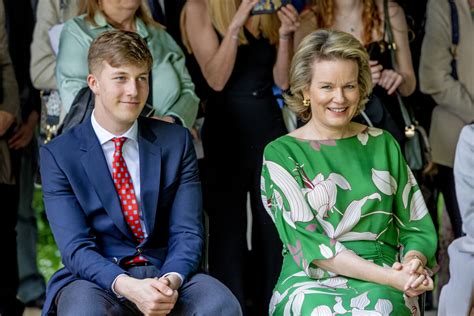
(464, 179)
(435, 62)
(185, 227)
(75, 239)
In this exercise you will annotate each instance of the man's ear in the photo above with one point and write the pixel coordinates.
(93, 84)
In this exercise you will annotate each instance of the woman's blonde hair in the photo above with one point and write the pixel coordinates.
(324, 13)
(222, 12)
(91, 7)
(326, 45)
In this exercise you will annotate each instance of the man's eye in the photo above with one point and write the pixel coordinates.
(120, 78)
(144, 79)
(326, 87)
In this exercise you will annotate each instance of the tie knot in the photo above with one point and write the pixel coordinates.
(119, 141)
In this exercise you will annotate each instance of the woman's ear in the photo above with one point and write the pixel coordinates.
(306, 94)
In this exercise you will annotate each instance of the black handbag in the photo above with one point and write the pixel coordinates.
(417, 145)
(376, 114)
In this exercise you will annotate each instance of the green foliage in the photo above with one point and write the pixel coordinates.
(49, 259)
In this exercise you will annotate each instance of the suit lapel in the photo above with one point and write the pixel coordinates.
(96, 168)
(150, 173)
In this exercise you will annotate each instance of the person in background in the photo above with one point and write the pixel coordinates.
(241, 57)
(20, 24)
(49, 14)
(454, 96)
(356, 233)
(123, 199)
(457, 296)
(365, 20)
(9, 118)
(172, 94)
(167, 13)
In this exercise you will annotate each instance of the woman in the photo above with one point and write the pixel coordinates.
(240, 56)
(341, 195)
(172, 94)
(365, 20)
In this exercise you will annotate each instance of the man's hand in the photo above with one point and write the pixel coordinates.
(172, 280)
(151, 296)
(6, 120)
(24, 134)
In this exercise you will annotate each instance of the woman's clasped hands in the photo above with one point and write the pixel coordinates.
(411, 277)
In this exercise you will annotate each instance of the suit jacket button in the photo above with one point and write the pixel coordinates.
(114, 260)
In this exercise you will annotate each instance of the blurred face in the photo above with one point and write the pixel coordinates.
(334, 93)
(111, 6)
(120, 95)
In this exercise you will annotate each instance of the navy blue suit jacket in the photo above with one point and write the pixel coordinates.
(84, 211)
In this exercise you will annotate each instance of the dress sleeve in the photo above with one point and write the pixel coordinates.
(413, 221)
(71, 64)
(173, 92)
(300, 231)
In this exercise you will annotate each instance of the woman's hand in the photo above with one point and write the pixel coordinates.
(390, 80)
(411, 278)
(290, 21)
(242, 15)
(376, 71)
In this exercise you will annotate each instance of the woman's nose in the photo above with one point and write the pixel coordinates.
(339, 95)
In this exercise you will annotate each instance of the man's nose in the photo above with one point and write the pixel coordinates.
(132, 89)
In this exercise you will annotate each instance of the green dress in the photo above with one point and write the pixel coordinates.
(355, 193)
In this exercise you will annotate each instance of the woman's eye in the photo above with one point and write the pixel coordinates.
(327, 87)
(350, 86)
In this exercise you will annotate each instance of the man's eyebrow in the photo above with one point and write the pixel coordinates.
(119, 72)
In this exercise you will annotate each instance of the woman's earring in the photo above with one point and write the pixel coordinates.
(306, 102)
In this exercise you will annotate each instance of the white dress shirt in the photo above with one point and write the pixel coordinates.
(131, 156)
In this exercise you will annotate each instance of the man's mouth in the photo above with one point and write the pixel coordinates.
(130, 102)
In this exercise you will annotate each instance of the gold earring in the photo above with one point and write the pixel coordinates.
(306, 102)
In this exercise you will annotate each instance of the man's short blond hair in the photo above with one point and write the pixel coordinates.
(118, 48)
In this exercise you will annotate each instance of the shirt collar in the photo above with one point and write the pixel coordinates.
(101, 22)
(104, 135)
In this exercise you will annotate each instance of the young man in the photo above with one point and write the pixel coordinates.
(123, 200)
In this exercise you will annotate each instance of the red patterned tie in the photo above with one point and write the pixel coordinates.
(124, 186)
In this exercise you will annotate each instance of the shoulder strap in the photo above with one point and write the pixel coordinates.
(392, 47)
(454, 38)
